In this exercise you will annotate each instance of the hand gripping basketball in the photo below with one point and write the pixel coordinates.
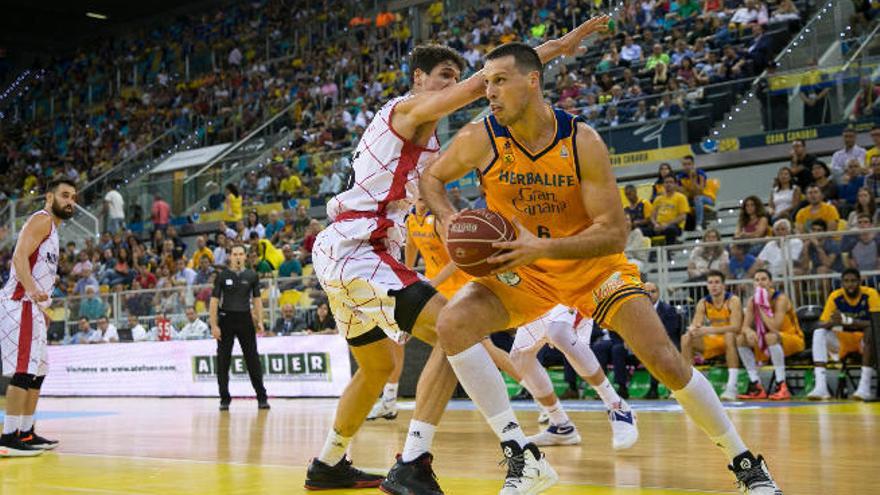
(471, 239)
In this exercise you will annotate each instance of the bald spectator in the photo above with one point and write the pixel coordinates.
(850, 151)
(291, 265)
(288, 323)
(202, 250)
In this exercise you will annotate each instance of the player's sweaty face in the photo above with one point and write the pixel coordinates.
(442, 76)
(506, 89)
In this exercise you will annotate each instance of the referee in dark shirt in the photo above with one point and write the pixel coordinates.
(231, 301)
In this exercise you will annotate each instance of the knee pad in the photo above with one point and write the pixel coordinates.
(22, 380)
(37, 383)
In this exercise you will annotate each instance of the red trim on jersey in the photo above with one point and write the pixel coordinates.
(354, 215)
(25, 337)
(405, 140)
(409, 160)
(406, 275)
(19, 289)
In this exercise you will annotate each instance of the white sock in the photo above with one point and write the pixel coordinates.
(821, 377)
(418, 440)
(699, 401)
(557, 414)
(483, 383)
(865, 380)
(747, 356)
(820, 346)
(27, 422)
(11, 424)
(777, 357)
(334, 448)
(389, 393)
(732, 375)
(608, 395)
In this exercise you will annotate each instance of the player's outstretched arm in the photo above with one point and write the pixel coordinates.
(32, 234)
(431, 106)
(470, 149)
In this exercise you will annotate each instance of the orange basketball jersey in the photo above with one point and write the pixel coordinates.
(543, 190)
(423, 233)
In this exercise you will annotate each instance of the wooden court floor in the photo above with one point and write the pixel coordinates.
(185, 446)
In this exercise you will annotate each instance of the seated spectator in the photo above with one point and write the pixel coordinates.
(274, 226)
(742, 263)
(820, 254)
(164, 330)
(291, 265)
(194, 329)
(659, 188)
(458, 201)
(850, 151)
(320, 320)
(771, 313)
(138, 332)
(288, 323)
(707, 259)
(82, 265)
(875, 150)
(107, 330)
(138, 302)
(635, 245)
(302, 221)
(801, 164)
(631, 52)
(785, 12)
(220, 251)
(660, 78)
(851, 182)
(183, 274)
(658, 56)
(232, 206)
(822, 179)
(733, 62)
(760, 49)
(669, 212)
(610, 349)
(712, 332)
(84, 334)
(308, 243)
(671, 322)
(693, 185)
(842, 326)
(816, 209)
(668, 107)
(863, 248)
(872, 179)
(203, 274)
(753, 222)
(91, 306)
(202, 250)
(865, 205)
(253, 225)
(770, 258)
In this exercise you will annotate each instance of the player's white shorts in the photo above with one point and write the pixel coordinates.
(532, 336)
(23, 338)
(358, 275)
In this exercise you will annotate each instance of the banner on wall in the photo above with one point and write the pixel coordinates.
(300, 366)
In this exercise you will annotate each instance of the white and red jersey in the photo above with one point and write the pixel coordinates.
(44, 266)
(386, 168)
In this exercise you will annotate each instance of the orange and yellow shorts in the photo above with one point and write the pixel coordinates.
(597, 292)
(850, 343)
(713, 346)
(791, 344)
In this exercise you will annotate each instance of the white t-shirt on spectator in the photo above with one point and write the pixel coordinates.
(631, 53)
(772, 255)
(111, 335)
(115, 204)
(235, 56)
(220, 256)
(139, 333)
(194, 331)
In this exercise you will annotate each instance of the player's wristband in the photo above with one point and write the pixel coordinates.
(847, 320)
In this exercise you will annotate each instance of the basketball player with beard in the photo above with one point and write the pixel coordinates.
(24, 323)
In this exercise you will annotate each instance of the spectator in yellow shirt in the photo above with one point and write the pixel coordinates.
(202, 249)
(290, 186)
(670, 212)
(233, 212)
(875, 151)
(816, 209)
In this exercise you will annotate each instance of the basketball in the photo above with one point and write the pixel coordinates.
(470, 240)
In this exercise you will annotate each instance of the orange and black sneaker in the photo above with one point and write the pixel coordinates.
(781, 392)
(36, 441)
(755, 392)
(12, 446)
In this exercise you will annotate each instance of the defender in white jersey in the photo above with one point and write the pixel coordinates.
(24, 323)
(373, 296)
(569, 332)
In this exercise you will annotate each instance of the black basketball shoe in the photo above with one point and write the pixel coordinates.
(12, 446)
(752, 475)
(412, 478)
(36, 441)
(322, 476)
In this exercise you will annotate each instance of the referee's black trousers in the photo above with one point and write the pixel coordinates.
(238, 324)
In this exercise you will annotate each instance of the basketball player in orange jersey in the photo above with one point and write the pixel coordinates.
(550, 175)
(422, 238)
(724, 313)
(376, 300)
(24, 323)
